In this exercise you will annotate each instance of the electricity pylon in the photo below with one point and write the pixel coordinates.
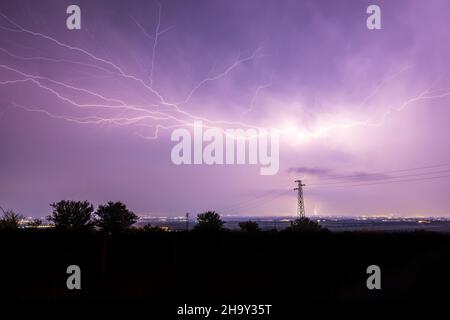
(300, 201)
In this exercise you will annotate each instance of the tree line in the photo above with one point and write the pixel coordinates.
(79, 216)
(115, 217)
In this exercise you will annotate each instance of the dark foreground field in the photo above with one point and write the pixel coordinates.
(263, 268)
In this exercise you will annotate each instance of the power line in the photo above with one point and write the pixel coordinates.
(383, 172)
(260, 202)
(383, 182)
(274, 194)
(243, 203)
(383, 178)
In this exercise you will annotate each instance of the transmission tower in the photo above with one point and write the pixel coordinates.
(300, 200)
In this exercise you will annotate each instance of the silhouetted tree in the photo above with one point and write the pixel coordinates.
(150, 228)
(10, 220)
(35, 223)
(249, 226)
(304, 224)
(72, 215)
(209, 221)
(115, 217)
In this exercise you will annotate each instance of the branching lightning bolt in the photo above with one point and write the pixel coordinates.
(161, 115)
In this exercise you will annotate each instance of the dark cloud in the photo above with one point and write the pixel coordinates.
(363, 176)
(313, 171)
(328, 174)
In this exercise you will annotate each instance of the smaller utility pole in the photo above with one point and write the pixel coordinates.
(187, 221)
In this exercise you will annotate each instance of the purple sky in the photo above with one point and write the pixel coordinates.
(348, 101)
